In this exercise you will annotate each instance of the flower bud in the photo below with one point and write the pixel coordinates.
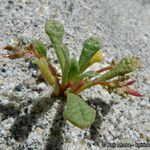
(126, 65)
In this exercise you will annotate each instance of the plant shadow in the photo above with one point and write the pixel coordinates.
(55, 140)
(23, 124)
(9, 110)
(104, 109)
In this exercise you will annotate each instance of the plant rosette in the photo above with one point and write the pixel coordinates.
(74, 77)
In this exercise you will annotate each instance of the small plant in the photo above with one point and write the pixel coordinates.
(74, 78)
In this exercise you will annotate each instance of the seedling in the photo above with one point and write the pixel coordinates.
(74, 78)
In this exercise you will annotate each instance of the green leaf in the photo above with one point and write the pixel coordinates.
(90, 47)
(55, 31)
(78, 112)
(126, 65)
(40, 48)
(65, 70)
(73, 70)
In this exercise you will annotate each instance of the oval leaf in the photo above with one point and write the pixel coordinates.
(55, 30)
(78, 112)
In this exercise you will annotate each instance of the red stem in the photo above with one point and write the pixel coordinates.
(54, 73)
(94, 82)
(52, 69)
(79, 85)
(104, 69)
(103, 83)
(69, 84)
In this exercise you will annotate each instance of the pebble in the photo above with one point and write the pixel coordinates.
(147, 78)
(3, 70)
(147, 82)
(35, 95)
(3, 146)
(42, 86)
(7, 126)
(18, 87)
(39, 130)
(3, 132)
(113, 119)
(87, 135)
(30, 141)
(11, 85)
(33, 66)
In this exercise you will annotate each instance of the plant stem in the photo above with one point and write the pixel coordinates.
(58, 87)
(89, 84)
(79, 85)
(104, 69)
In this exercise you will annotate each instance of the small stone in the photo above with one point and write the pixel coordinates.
(21, 147)
(87, 135)
(143, 103)
(29, 141)
(39, 130)
(113, 119)
(3, 132)
(35, 94)
(111, 127)
(11, 85)
(10, 2)
(7, 126)
(19, 87)
(147, 82)
(42, 86)
(3, 146)
(3, 70)
(9, 73)
(33, 66)
(147, 78)
(34, 75)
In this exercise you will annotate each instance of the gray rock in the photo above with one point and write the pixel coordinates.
(42, 86)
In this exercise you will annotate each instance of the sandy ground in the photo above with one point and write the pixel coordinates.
(26, 120)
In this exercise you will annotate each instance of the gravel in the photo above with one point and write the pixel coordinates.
(26, 120)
